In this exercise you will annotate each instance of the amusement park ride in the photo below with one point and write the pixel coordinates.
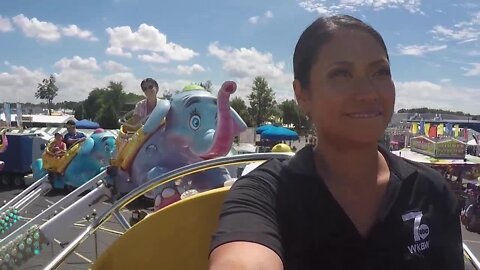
(177, 159)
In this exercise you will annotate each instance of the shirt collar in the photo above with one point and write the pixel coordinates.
(302, 163)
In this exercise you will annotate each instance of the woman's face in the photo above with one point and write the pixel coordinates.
(351, 93)
(150, 91)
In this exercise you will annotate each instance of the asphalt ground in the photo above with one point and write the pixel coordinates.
(87, 252)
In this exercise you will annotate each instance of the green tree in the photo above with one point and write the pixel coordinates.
(108, 117)
(262, 101)
(47, 90)
(114, 95)
(80, 111)
(290, 112)
(112, 100)
(93, 103)
(240, 107)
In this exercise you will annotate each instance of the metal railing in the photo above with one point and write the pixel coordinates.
(171, 176)
(168, 177)
(472, 257)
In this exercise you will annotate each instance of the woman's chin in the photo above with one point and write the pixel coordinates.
(359, 138)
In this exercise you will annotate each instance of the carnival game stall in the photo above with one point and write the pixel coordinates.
(444, 148)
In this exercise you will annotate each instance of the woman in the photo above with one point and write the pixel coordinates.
(144, 107)
(345, 203)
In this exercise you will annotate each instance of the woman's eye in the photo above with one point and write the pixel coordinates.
(383, 72)
(339, 73)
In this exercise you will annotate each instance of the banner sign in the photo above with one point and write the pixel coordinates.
(446, 148)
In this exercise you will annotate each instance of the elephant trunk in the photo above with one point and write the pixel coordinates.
(223, 138)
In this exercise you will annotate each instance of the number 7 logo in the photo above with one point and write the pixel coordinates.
(420, 231)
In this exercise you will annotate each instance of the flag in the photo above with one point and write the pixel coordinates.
(456, 132)
(440, 130)
(414, 129)
(8, 115)
(19, 116)
(449, 129)
(432, 132)
(465, 133)
(427, 129)
(421, 130)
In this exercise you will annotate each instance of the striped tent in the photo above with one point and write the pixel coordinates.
(50, 131)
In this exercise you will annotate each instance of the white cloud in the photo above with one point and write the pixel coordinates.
(474, 53)
(456, 33)
(5, 25)
(419, 50)
(415, 94)
(113, 66)
(131, 84)
(20, 84)
(245, 64)
(342, 6)
(6, 63)
(147, 38)
(446, 80)
(37, 29)
(256, 19)
(187, 70)
(474, 71)
(48, 31)
(253, 20)
(74, 31)
(464, 31)
(118, 52)
(75, 85)
(153, 58)
(78, 63)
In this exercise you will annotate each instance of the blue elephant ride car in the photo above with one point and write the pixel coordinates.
(81, 162)
(193, 125)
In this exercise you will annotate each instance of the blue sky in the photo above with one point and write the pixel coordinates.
(434, 45)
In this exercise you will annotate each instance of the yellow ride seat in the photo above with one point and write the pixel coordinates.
(58, 164)
(128, 145)
(175, 237)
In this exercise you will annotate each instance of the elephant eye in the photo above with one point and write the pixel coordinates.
(195, 122)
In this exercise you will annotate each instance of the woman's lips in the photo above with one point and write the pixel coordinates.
(362, 115)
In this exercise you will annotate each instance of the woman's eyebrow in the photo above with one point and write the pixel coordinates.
(378, 62)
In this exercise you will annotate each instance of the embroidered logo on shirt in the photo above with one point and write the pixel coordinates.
(420, 232)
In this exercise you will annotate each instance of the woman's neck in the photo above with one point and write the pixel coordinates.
(152, 101)
(349, 164)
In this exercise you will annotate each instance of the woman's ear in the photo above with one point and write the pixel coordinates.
(302, 96)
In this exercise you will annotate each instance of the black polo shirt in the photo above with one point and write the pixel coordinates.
(286, 207)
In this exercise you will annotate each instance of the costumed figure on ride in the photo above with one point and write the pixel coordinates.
(192, 126)
(82, 161)
(3, 146)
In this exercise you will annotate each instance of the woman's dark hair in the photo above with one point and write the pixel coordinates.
(317, 35)
(149, 80)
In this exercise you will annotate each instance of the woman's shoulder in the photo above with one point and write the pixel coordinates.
(421, 179)
(270, 171)
(278, 172)
(142, 102)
